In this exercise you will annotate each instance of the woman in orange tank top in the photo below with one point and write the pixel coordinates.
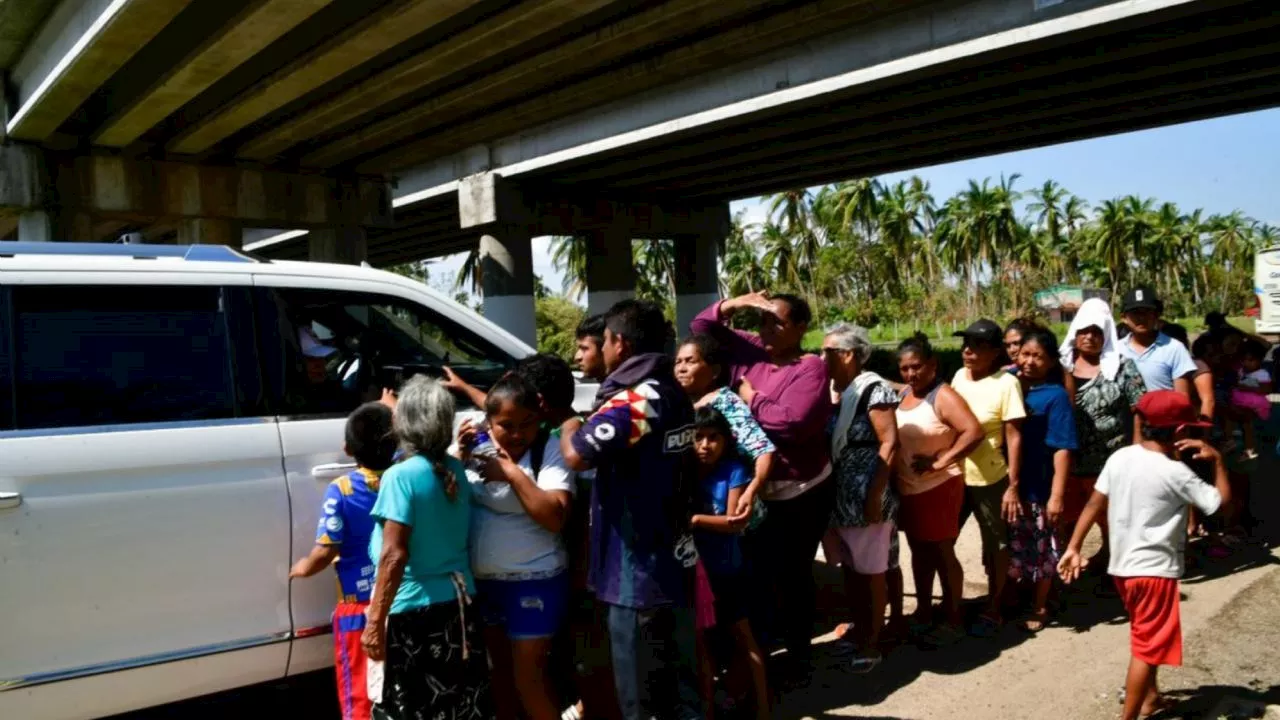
(936, 430)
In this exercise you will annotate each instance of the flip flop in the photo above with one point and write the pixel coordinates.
(1035, 622)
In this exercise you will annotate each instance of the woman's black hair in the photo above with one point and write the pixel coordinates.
(712, 354)
(917, 344)
(709, 418)
(511, 387)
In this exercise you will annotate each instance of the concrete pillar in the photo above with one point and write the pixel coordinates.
(338, 245)
(697, 277)
(610, 275)
(210, 231)
(506, 270)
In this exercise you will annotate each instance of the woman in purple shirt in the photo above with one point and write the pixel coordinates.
(790, 395)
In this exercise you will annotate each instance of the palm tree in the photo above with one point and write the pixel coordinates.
(742, 271)
(1048, 208)
(792, 212)
(569, 255)
(1112, 239)
(472, 270)
(779, 256)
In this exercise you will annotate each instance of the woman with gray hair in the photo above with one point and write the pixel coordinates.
(435, 664)
(864, 441)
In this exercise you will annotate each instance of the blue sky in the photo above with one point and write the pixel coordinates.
(1220, 165)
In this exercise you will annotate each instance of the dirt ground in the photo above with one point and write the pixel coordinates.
(1074, 668)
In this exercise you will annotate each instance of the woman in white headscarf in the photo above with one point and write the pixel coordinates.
(1106, 390)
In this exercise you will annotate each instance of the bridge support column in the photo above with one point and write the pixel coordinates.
(611, 277)
(697, 277)
(506, 266)
(338, 245)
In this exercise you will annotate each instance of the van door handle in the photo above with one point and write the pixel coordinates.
(10, 500)
(330, 471)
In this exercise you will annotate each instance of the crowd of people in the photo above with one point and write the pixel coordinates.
(647, 559)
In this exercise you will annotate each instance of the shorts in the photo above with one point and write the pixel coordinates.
(865, 550)
(526, 609)
(933, 515)
(1155, 621)
(350, 662)
(985, 503)
(1033, 547)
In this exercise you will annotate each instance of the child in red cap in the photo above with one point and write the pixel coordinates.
(1145, 490)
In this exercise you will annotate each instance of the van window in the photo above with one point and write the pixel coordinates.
(119, 354)
(338, 349)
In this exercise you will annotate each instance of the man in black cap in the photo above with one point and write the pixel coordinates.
(1165, 363)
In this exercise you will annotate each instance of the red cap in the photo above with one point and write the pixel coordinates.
(1169, 409)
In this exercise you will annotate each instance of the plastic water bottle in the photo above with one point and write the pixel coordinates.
(482, 448)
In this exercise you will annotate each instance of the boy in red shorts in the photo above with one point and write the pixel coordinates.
(1145, 490)
(343, 535)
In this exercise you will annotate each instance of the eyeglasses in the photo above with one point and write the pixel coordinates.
(833, 351)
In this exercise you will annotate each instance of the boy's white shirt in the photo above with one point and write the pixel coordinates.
(1147, 499)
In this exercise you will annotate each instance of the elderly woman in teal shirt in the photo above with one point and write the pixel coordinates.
(435, 664)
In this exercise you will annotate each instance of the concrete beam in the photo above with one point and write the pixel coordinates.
(510, 29)
(931, 100)
(867, 129)
(624, 37)
(78, 49)
(18, 22)
(676, 65)
(938, 34)
(394, 23)
(112, 186)
(252, 30)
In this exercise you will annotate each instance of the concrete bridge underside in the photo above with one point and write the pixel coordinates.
(394, 130)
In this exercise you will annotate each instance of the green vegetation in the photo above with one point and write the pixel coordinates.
(871, 253)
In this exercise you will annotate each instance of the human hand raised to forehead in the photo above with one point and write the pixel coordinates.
(758, 300)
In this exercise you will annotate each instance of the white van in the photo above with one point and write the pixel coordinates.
(166, 437)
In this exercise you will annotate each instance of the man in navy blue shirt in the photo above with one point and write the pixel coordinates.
(639, 441)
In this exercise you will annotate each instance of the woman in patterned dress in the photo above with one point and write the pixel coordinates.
(864, 443)
(1107, 389)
